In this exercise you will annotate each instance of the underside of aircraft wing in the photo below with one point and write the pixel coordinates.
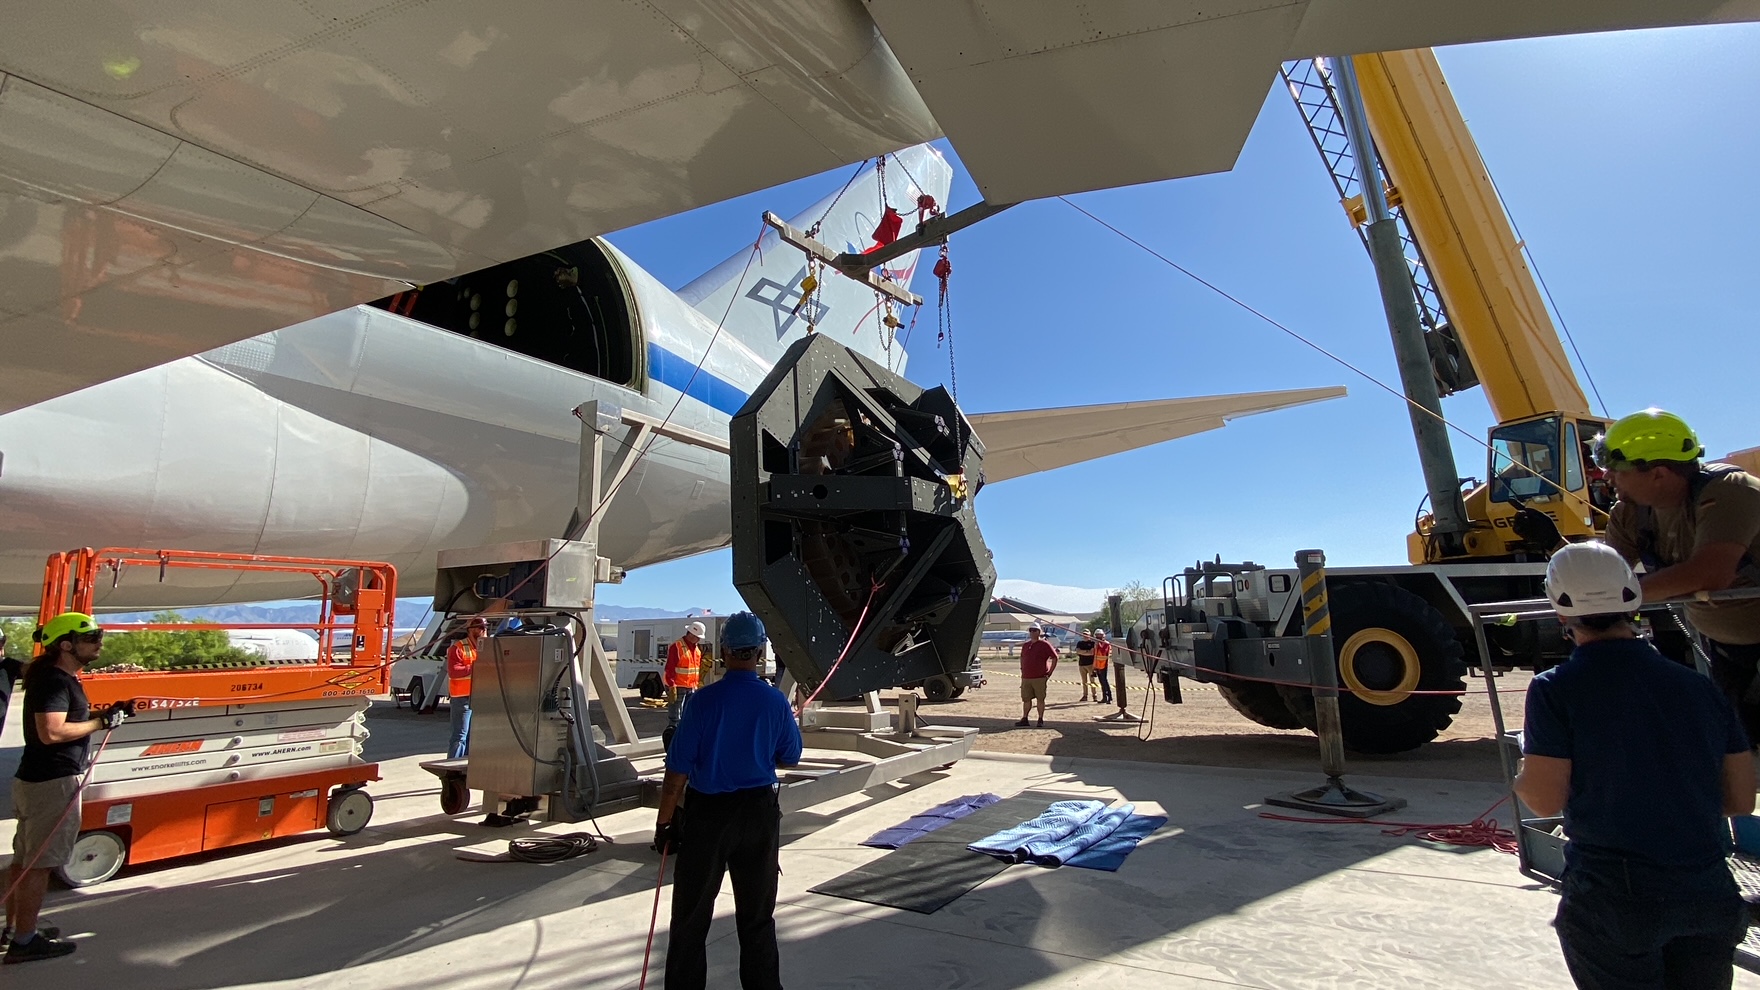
(1034, 440)
(1050, 97)
(175, 177)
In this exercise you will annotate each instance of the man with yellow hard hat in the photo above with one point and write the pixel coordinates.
(58, 723)
(1696, 528)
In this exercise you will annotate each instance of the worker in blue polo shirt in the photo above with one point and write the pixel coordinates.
(1645, 758)
(718, 811)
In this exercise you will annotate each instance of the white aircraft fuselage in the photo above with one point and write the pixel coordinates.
(369, 435)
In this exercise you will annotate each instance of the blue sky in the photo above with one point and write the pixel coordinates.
(1627, 162)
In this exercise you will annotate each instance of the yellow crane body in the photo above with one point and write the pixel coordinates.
(1539, 458)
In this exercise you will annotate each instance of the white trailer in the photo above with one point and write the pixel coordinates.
(642, 645)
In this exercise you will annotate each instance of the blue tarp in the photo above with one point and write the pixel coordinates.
(917, 826)
(1087, 834)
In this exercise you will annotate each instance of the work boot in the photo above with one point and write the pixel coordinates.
(41, 947)
(1041, 723)
(1023, 724)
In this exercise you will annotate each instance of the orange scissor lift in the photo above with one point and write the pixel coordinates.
(219, 756)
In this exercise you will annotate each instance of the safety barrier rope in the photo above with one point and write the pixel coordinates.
(1157, 659)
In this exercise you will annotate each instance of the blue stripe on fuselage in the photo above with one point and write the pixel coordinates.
(680, 373)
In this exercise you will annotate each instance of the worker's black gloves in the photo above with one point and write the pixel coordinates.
(666, 838)
(116, 714)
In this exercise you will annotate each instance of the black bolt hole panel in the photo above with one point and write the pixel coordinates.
(847, 478)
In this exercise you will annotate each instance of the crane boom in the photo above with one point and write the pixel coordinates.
(1469, 245)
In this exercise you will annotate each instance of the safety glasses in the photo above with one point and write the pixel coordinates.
(91, 637)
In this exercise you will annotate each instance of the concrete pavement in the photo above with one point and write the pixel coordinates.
(1218, 898)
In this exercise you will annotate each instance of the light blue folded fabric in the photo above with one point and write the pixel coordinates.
(1085, 834)
(1109, 853)
(1055, 824)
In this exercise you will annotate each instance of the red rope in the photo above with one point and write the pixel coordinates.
(90, 766)
(653, 919)
(1481, 831)
(853, 633)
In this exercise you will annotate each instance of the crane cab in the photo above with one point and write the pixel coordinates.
(1541, 464)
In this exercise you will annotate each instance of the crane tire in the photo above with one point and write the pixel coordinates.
(1260, 703)
(1388, 643)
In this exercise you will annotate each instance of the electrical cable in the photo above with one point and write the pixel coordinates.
(552, 848)
(1371, 379)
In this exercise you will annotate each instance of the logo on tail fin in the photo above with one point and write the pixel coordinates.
(785, 302)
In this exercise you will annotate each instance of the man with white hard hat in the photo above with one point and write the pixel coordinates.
(684, 663)
(1645, 759)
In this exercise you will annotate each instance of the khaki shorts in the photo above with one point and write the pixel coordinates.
(42, 825)
(1033, 688)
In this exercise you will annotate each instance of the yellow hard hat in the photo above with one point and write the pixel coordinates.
(1648, 435)
(66, 624)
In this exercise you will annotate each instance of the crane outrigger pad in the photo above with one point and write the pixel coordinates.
(853, 521)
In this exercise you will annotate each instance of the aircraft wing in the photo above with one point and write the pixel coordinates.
(177, 176)
(1034, 440)
(1051, 97)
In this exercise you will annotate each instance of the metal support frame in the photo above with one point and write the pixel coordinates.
(1332, 797)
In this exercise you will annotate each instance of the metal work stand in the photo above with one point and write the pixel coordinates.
(900, 750)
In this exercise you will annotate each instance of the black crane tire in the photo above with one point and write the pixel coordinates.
(1388, 643)
(1260, 703)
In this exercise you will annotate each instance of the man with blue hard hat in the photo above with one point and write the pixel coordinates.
(718, 812)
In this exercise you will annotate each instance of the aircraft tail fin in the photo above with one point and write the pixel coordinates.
(768, 313)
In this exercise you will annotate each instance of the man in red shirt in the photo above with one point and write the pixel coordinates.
(1038, 661)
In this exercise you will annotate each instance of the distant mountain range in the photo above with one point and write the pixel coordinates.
(409, 612)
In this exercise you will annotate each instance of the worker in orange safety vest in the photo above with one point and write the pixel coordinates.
(460, 659)
(684, 662)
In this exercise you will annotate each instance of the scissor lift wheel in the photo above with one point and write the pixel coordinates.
(96, 857)
(350, 811)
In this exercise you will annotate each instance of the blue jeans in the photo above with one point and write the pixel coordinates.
(460, 743)
(675, 705)
(1625, 924)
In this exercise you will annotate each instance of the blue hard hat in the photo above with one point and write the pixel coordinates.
(743, 631)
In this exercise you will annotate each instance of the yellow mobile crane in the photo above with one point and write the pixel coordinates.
(1463, 309)
(1483, 319)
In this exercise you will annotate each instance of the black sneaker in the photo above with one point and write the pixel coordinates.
(41, 947)
(47, 931)
(1023, 724)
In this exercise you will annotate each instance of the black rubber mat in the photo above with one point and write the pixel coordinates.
(937, 869)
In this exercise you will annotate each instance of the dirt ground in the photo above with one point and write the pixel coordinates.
(1205, 731)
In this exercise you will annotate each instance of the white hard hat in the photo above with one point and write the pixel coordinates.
(697, 629)
(1591, 579)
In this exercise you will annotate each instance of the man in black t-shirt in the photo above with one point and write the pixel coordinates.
(1645, 758)
(58, 724)
(1085, 663)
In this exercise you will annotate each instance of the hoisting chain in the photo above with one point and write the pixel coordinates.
(944, 321)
